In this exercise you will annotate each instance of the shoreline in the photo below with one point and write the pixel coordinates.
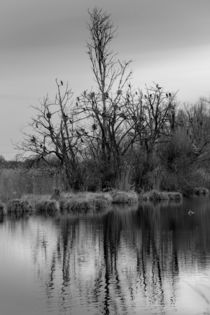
(82, 202)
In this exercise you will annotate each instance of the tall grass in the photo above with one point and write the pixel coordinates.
(124, 179)
(124, 197)
(155, 195)
(18, 207)
(79, 203)
(16, 182)
(83, 203)
(47, 207)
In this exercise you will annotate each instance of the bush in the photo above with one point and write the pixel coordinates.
(201, 191)
(19, 207)
(83, 203)
(174, 196)
(155, 195)
(47, 207)
(34, 199)
(124, 197)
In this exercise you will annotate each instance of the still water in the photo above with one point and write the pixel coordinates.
(149, 260)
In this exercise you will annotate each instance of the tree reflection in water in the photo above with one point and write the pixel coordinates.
(125, 260)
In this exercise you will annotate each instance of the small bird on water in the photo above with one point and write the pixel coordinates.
(190, 212)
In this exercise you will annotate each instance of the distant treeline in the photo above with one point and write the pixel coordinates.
(27, 163)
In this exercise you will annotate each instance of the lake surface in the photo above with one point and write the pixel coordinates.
(150, 260)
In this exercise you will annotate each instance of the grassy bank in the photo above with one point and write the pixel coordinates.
(68, 203)
(200, 191)
(155, 195)
(82, 203)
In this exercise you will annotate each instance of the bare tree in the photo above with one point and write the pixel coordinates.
(53, 132)
(156, 116)
(104, 124)
(153, 116)
(107, 106)
(198, 127)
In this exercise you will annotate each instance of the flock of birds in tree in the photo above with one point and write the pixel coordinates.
(94, 126)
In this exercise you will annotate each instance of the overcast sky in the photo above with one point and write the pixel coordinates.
(40, 40)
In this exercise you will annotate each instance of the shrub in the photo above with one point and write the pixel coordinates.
(174, 196)
(155, 195)
(201, 191)
(83, 203)
(34, 199)
(19, 207)
(47, 207)
(124, 197)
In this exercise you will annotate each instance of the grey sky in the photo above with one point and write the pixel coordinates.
(168, 41)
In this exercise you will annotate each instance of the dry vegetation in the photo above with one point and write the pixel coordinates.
(68, 203)
(201, 191)
(18, 207)
(155, 195)
(124, 197)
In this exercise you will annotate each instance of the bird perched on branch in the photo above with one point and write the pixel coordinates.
(33, 139)
(94, 126)
(158, 87)
(48, 115)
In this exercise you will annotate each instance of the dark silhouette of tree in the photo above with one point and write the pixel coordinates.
(54, 133)
(106, 107)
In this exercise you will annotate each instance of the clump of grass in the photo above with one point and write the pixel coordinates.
(124, 197)
(47, 207)
(75, 207)
(34, 199)
(201, 191)
(42, 204)
(19, 207)
(155, 195)
(83, 203)
(174, 196)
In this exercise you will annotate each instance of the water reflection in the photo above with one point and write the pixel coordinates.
(145, 260)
